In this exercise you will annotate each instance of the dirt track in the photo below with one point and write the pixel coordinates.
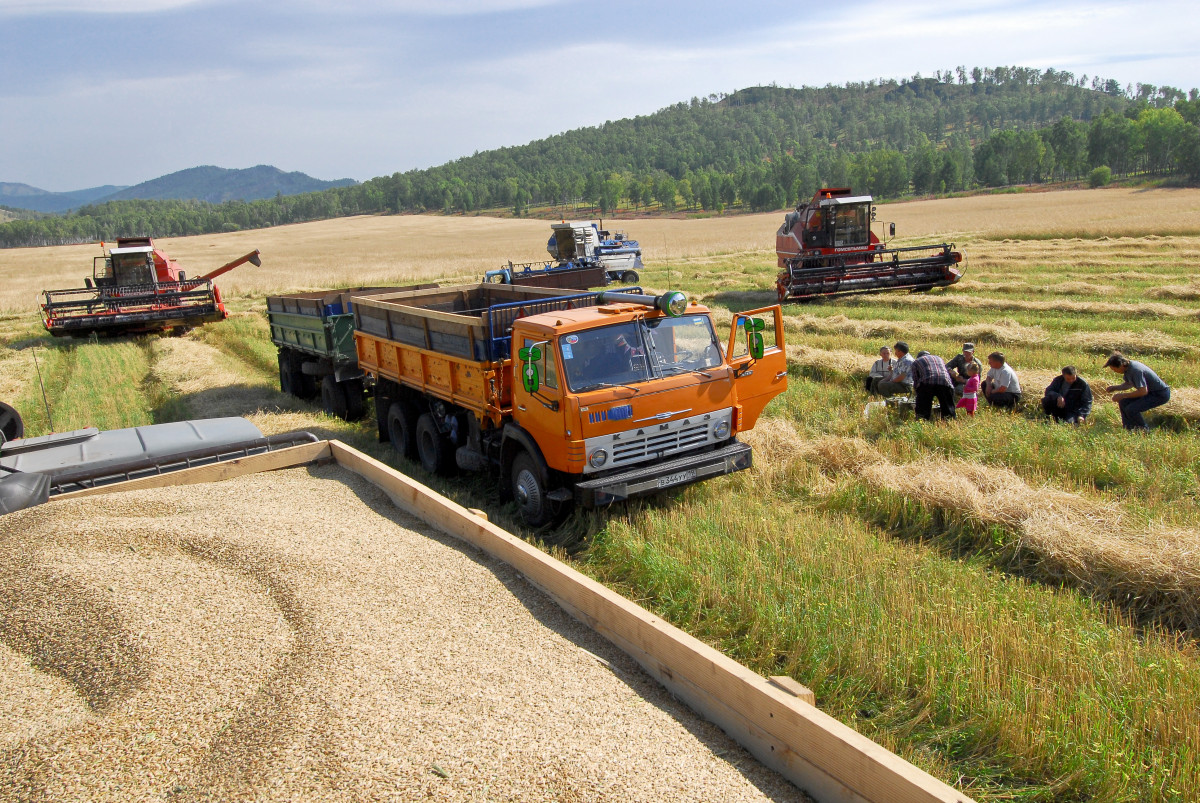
(292, 637)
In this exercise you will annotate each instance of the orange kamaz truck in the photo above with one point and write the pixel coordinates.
(586, 398)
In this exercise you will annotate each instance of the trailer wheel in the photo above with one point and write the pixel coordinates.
(529, 492)
(356, 400)
(285, 373)
(333, 398)
(402, 425)
(434, 449)
(630, 277)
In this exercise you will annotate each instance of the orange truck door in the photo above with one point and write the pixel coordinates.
(756, 380)
(541, 413)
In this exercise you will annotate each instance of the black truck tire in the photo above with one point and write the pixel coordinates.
(11, 425)
(285, 372)
(402, 428)
(356, 399)
(333, 398)
(434, 449)
(529, 491)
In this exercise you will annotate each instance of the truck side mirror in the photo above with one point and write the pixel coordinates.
(529, 371)
(754, 338)
(892, 230)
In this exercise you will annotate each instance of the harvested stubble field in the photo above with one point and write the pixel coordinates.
(1011, 606)
(293, 637)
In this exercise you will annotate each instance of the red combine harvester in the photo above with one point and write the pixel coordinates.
(136, 288)
(826, 248)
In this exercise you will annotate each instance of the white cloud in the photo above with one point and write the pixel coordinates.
(37, 7)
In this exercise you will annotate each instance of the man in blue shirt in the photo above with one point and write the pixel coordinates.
(1142, 390)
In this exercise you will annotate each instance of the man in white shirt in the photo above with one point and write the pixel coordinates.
(1001, 388)
(880, 370)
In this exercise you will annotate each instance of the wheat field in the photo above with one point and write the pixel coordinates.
(1010, 605)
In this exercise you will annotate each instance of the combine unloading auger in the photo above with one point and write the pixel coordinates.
(136, 288)
(826, 248)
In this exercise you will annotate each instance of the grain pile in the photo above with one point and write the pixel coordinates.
(293, 637)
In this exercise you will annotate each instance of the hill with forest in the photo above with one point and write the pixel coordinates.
(218, 184)
(757, 149)
(35, 199)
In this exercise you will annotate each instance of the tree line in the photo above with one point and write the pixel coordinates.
(758, 149)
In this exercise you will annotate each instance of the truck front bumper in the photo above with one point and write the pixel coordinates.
(649, 479)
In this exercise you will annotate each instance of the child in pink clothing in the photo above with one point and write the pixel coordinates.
(970, 397)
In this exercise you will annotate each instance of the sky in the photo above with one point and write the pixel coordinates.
(123, 91)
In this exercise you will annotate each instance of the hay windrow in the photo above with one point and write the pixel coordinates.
(1092, 544)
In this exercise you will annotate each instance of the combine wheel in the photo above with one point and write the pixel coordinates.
(11, 425)
(333, 398)
(630, 277)
(529, 491)
(402, 428)
(433, 448)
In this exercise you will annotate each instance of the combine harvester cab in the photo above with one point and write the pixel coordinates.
(588, 398)
(584, 241)
(826, 247)
(136, 288)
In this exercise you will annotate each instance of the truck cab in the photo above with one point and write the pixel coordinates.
(624, 401)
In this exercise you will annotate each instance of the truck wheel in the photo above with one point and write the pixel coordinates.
(333, 398)
(356, 400)
(402, 425)
(630, 277)
(434, 449)
(529, 492)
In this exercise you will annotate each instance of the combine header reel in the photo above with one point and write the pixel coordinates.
(826, 248)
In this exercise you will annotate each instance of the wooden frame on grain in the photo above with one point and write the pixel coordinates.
(769, 717)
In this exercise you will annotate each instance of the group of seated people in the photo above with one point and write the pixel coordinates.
(957, 385)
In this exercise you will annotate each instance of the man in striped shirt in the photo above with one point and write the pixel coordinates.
(931, 380)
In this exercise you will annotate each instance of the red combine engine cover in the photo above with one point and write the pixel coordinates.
(826, 247)
(136, 288)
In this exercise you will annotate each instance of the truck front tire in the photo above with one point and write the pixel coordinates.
(529, 491)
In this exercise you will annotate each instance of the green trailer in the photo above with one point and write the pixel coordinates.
(314, 332)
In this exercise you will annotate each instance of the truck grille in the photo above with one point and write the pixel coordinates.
(624, 452)
(653, 440)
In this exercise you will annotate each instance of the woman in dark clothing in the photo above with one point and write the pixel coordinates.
(1068, 398)
(1142, 390)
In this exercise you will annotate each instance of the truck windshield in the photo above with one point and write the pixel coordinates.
(637, 351)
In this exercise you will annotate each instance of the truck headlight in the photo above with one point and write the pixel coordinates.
(720, 430)
(597, 458)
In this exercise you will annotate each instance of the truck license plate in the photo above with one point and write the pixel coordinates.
(677, 477)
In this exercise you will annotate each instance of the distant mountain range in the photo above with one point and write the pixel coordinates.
(206, 183)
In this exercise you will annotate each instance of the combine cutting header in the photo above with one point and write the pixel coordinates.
(826, 248)
(136, 288)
